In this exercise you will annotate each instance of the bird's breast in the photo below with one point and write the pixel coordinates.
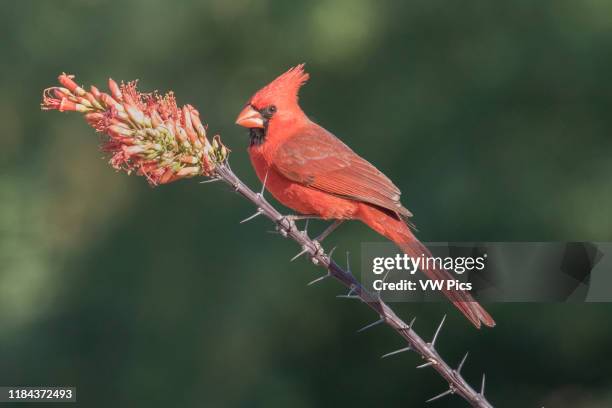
(300, 198)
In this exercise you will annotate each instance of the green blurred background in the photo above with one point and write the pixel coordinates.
(494, 120)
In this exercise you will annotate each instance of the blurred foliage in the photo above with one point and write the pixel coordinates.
(493, 118)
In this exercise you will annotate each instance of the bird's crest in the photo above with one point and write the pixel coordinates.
(285, 86)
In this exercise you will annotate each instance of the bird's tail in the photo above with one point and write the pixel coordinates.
(397, 231)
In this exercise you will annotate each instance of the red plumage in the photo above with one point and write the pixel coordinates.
(311, 171)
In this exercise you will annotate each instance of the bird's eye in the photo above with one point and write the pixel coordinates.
(268, 111)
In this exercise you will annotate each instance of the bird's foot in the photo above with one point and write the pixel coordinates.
(287, 222)
(295, 218)
(318, 251)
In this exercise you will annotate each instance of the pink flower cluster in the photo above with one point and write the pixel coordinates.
(147, 133)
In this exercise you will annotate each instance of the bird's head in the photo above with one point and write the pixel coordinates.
(276, 103)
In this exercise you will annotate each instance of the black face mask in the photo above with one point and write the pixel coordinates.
(258, 135)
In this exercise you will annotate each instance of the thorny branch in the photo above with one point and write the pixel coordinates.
(149, 135)
(457, 384)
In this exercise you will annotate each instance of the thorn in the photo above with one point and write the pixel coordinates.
(462, 362)
(348, 263)
(305, 232)
(348, 296)
(319, 279)
(427, 364)
(396, 352)
(444, 394)
(281, 229)
(331, 252)
(409, 324)
(302, 252)
(211, 180)
(376, 323)
(435, 337)
(272, 232)
(263, 186)
(384, 279)
(247, 219)
(482, 385)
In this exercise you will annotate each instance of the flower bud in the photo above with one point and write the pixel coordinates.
(180, 133)
(66, 80)
(110, 102)
(66, 105)
(94, 119)
(189, 159)
(92, 100)
(188, 172)
(61, 93)
(132, 150)
(135, 114)
(118, 131)
(114, 88)
(95, 92)
(165, 178)
(156, 120)
(191, 133)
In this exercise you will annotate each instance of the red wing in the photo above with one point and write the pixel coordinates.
(316, 158)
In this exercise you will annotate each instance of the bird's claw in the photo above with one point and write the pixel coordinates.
(281, 229)
(318, 251)
(285, 224)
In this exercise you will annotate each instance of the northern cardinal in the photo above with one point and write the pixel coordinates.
(311, 171)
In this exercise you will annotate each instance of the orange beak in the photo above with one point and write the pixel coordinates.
(250, 118)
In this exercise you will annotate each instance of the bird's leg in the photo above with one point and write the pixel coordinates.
(302, 217)
(317, 241)
(291, 219)
(328, 230)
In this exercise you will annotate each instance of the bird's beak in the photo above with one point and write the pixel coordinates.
(250, 118)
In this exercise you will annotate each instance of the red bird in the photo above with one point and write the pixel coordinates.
(311, 171)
